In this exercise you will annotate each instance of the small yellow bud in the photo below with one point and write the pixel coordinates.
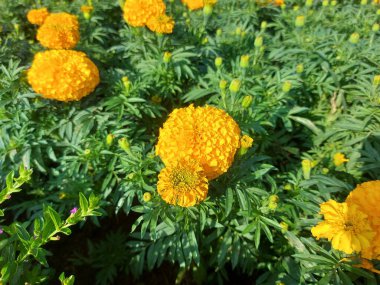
(288, 187)
(147, 197)
(300, 21)
(207, 10)
(156, 99)
(86, 10)
(296, 8)
(325, 170)
(378, 12)
(325, 3)
(258, 41)
(124, 144)
(273, 199)
(219, 32)
(244, 61)
(272, 205)
(264, 25)
(167, 56)
(126, 82)
(205, 40)
(87, 152)
(235, 85)
(218, 61)
(309, 3)
(284, 227)
(286, 86)
(16, 27)
(247, 101)
(109, 139)
(339, 159)
(299, 68)
(307, 165)
(376, 80)
(223, 84)
(375, 27)
(245, 143)
(334, 3)
(238, 31)
(363, 2)
(354, 38)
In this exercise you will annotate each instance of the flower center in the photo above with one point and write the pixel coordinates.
(183, 178)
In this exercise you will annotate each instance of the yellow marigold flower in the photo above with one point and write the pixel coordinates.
(37, 16)
(339, 159)
(59, 31)
(205, 134)
(345, 226)
(367, 197)
(162, 24)
(138, 12)
(63, 75)
(198, 4)
(183, 183)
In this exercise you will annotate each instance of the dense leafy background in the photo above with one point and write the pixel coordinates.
(332, 106)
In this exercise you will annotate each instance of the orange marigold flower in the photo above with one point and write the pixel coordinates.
(138, 12)
(63, 75)
(162, 24)
(346, 226)
(86, 9)
(366, 197)
(37, 16)
(198, 4)
(246, 141)
(183, 183)
(59, 31)
(205, 134)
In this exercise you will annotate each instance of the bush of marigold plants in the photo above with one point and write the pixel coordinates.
(189, 142)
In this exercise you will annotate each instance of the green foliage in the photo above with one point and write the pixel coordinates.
(313, 95)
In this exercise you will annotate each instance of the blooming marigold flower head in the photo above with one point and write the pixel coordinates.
(183, 183)
(161, 24)
(198, 4)
(339, 159)
(205, 134)
(63, 75)
(137, 13)
(37, 16)
(59, 31)
(366, 197)
(346, 226)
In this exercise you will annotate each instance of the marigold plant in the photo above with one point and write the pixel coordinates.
(63, 75)
(59, 31)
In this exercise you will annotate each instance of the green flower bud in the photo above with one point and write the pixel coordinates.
(219, 32)
(284, 227)
(363, 2)
(288, 187)
(247, 101)
(238, 31)
(235, 85)
(296, 8)
(286, 86)
(258, 41)
(109, 139)
(354, 38)
(87, 152)
(309, 3)
(207, 10)
(167, 56)
(375, 27)
(222, 84)
(218, 61)
(376, 80)
(126, 82)
(334, 3)
(147, 197)
(264, 25)
(244, 61)
(124, 144)
(378, 12)
(325, 170)
(300, 21)
(299, 68)
(325, 3)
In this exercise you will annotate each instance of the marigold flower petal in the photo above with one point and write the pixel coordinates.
(137, 13)
(37, 16)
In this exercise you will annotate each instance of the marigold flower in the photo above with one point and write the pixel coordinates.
(37, 16)
(59, 31)
(86, 10)
(366, 264)
(183, 183)
(161, 24)
(63, 75)
(366, 197)
(345, 226)
(198, 4)
(137, 13)
(206, 134)
(339, 159)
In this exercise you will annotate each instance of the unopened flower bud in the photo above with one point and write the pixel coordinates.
(247, 101)
(222, 84)
(238, 31)
(325, 170)
(378, 12)
(156, 99)
(235, 85)
(325, 3)
(147, 197)
(244, 61)
(207, 10)
(245, 143)
(376, 80)
(354, 38)
(124, 144)
(309, 3)
(375, 27)
(86, 10)
(299, 68)
(296, 8)
(167, 56)
(218, 61)
(126, 82)
(284, 227)
(258, 41)
(300, 21)
(288, 187)
(334, 3)
(363, 2)
(286, 86)
(264, 25)
(219, 32)
(87, 152)
(306, 168)
(109, 139)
